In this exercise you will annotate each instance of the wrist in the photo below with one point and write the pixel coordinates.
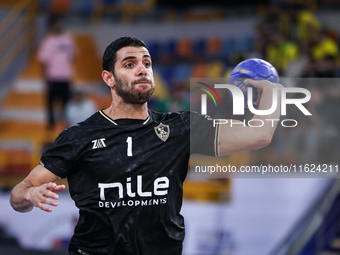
(28, 199)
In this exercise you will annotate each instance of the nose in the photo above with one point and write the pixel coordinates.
(141, 71)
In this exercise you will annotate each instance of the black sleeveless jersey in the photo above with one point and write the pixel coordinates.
(126, 178)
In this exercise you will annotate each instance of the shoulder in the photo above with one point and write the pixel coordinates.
(95, 120)
(179, 116)
(185, 118)
(159, 116)
(81, 132)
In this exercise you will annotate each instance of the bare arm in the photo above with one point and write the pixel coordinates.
(35, 190)
(237, 138)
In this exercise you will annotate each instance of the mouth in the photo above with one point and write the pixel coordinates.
(142, 83)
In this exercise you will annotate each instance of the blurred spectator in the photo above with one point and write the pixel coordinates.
(56, 53)
(307, 26)
(79, 107)
(261, 41)
(309, 70)
(298, 67)
(324, 46)
(277, 19)
(327, 68)
(280, 52)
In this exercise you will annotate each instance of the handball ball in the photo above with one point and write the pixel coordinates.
(253, 68)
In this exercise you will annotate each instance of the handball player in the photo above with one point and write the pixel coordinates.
(125, 165)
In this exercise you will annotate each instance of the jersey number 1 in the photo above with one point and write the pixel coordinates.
(129, 147)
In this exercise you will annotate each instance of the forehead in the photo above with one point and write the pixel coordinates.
(132, 51)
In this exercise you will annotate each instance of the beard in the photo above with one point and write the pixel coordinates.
(132, 97)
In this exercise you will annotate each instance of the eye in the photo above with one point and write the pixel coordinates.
(128, 65)
(147, 64)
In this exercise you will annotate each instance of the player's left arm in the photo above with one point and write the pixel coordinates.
(36, 190)
(237, 138)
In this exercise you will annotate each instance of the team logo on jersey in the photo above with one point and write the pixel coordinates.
(162, 131)
(99, 143)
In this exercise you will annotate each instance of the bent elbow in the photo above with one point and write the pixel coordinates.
(20, 208)
(18, 204)
(14, 205)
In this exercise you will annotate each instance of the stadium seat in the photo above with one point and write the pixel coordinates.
(184, 48)
(60, 6)
(214, 69)
(84, 6)
(182, 73)
(168, 50)
(166, 72)
(138, 1)
(199, 47)
(245, 44)
(213, 47)
(162, 91)
(45, 4)
(199, 70)
(112, 2)
(154, 49)
(228, 47)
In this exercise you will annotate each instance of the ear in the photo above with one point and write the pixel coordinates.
(108, 78)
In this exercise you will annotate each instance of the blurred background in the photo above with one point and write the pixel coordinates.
(186, 39)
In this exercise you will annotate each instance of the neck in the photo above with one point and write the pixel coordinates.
(127, 111)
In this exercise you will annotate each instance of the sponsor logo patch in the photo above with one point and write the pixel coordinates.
(99, 143)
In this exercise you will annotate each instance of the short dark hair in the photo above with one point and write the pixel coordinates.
(110, 53)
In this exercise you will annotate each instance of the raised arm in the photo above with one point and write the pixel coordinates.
(35, 190)
(237, 138)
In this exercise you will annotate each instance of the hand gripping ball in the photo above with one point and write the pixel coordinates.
(253, 68)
